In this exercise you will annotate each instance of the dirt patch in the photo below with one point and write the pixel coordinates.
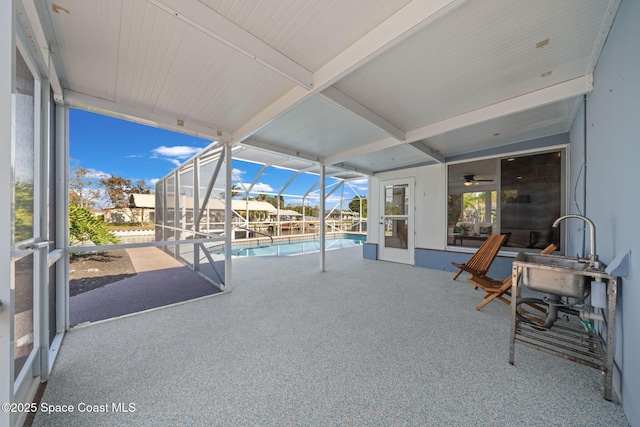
(91, 271)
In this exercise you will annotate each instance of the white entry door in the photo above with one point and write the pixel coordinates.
(396, 221)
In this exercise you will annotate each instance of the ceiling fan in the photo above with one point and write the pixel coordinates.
(470, 180)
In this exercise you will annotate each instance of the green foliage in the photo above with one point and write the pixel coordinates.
(271, 199)
(84, 226)
(308, 210)
(23, 210)
(354, 206)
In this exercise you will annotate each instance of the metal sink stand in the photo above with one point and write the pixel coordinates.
(570, 339)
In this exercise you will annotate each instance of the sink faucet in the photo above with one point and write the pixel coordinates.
(593, 257)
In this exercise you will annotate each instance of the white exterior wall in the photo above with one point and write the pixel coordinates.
(373, 210)
(431, 207)
(429, 201)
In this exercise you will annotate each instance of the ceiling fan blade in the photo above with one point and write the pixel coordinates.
(472, 179)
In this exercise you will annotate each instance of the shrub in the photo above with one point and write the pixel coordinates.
(84, 226)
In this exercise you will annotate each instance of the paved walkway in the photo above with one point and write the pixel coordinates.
(161, 280)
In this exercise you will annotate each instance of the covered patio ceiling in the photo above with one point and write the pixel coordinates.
(362, 85)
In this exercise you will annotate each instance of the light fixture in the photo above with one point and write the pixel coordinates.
(470, 180)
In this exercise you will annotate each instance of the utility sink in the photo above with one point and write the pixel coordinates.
(554, 274)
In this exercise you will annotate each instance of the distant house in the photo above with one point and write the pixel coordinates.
(146, 203)
(141, 209)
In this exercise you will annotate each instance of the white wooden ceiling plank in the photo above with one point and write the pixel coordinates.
(320, 128)
(223, 30)
(147, 42)
(181, 69)
(406, 22)
(166, 72)
(349, 104)
(484, 52)
(401, 25)
(119, 110)
(63, 29)
(546, 96)
(114, 14)
(161, 29)
(130, 16)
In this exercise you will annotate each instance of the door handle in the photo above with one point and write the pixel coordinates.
(35, 246)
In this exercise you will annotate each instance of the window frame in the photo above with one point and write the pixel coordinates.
(564, 192)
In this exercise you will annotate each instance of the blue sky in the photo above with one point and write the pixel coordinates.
(109, 146)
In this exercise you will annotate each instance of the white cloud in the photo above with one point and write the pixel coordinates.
(237, 173)
(364, 181)
(176, 152)
(92, 173)
(258, 188)
(263, 188)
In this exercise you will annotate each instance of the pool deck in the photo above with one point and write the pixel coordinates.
(364, 343)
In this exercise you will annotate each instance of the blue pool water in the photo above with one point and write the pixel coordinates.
(288, 249)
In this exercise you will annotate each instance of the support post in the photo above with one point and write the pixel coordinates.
(227, 217)
(196, 212)
(62, 215)
(321, 213)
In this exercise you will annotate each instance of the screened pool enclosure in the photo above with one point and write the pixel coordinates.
(192, 208)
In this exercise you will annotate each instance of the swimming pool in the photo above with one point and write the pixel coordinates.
(299, 248)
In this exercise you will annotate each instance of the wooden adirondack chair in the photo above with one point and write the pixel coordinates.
(479, 263)
(497, 289)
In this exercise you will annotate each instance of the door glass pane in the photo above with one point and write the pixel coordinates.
(24, 169)
(23, 317)
(395, 233)
(396, 200)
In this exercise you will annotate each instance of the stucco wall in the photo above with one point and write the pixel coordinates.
(612, 174)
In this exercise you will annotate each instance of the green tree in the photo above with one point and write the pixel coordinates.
(305, 210)
(118, 190)
(271, 199)
(354, 205)
(85, 227)
(141, 187)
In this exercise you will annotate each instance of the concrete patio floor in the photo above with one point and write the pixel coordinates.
(364, 343)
